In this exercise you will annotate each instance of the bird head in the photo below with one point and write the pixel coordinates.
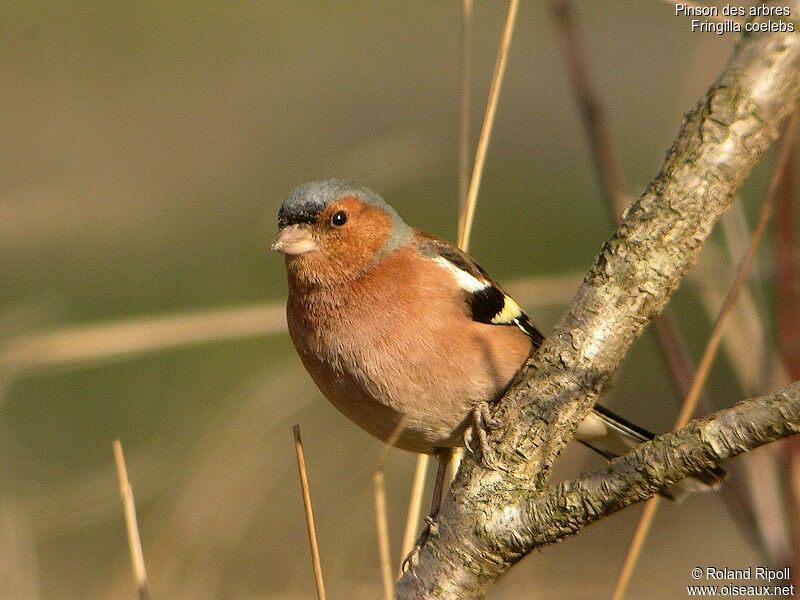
(331, 231)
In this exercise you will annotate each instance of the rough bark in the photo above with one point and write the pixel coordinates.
(568, 507)
(492, 518)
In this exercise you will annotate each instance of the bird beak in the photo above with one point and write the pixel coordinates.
(294, 239)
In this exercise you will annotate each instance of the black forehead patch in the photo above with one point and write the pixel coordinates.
(307, 201)
(291, 217)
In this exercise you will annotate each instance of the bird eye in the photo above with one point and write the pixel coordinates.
(339, 218)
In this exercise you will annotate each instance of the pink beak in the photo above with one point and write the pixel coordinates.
(294, 239)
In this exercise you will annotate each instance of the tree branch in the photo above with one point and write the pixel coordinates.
(632, 279)
(571, 505)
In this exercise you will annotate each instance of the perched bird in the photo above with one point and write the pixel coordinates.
(405, 333)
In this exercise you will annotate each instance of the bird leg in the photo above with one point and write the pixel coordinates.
(443, 455)
(482, 422)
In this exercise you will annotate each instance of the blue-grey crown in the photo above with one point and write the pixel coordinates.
(306, 201)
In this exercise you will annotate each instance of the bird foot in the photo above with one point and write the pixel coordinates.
(482, 422)
(411, 557)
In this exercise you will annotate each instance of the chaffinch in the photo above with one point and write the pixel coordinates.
(405, 333)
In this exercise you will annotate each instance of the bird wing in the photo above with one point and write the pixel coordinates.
(485, 300)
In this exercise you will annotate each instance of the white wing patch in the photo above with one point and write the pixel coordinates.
(466, 282)
(486, 302)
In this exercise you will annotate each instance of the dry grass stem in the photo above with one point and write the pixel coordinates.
(464, 120)
(467, 213)
(98, 342)
(381, 518)
(455, 462)
(312, 530)
(635, 548)
(468, 196)
(382, 528)
(690, 404)
(121, 338)
(132, 527)
(608, 166)
(710, 351)
(414, 504)
(486, 128)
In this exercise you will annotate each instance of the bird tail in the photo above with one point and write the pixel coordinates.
(611, 436)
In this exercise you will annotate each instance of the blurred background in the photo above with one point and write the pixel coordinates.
(145, 149)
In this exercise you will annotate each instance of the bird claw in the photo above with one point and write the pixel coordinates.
(482, 422)
(409, 560)
(482, 416)
(411, 557)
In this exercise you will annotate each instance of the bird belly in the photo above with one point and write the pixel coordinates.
(412, 387)
(380, 413)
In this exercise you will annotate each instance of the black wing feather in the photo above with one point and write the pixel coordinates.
(488, 303)
(528, 327)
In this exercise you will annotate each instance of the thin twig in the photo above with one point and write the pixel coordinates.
(134, 541)
(605, 156)
(789, 338)
(673, 348)
(312, 530)
(486, 128)
(382, 527)
(690, 403)
(786, 256)
(609, 168)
